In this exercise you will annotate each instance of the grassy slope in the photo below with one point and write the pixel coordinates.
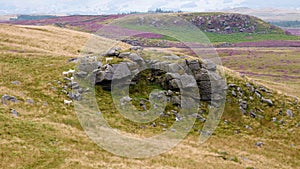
(50, 136)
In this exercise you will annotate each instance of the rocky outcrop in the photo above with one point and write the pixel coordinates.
(227, 23)
(194, 76)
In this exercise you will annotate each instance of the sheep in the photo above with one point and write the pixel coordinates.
(67, 102)
(108, 59)
(68, 72)
(71, 71)
(65, 73)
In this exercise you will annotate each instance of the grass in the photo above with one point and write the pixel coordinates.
(50, 136)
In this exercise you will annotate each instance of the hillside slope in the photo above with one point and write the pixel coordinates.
(45, 133)
(219, 27)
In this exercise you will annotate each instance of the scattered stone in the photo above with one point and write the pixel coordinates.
(237, 131)
(6, 98)
(244, 104)
(289, 113)
(231, 85)
(268, 101)
(75, 96)
(281, 122)
(225, 121)
(259, 144)
(252, 114)
(16, 82)
(173, 130)
(153, 124)
(243, 111)
(257, 93)
(274, 119)
(136, 48)
(162, 124)
(30, 101)
(73, 60)
(14, 112)
(248, 127)
(234, 93)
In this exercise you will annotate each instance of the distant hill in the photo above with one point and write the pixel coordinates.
(219, 27)
(269, 14)
(32, 17)
(228, 23)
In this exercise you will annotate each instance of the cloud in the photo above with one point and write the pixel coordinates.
(119, 6)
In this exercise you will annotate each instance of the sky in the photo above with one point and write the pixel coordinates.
(120, 6)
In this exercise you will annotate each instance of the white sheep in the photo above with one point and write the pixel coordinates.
(71, 71)
(67, 102)
(108, 59)
(68, 72)
(65, 73)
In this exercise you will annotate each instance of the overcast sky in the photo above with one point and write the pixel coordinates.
(119, 6)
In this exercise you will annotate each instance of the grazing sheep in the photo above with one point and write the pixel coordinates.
(65, 73)
(67, 102)
(108, 59)
(71, 71)
(68, 72)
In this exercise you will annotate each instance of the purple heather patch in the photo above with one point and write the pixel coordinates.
(270, 43)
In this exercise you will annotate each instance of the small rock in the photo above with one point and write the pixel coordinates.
(243, 111)
(162, 124)
(6, 97)
(289, 113)
(136, 48)
(153, 124)
(30, 101)
(234, 93)
(15, 82)
(268, 101)
(244, 104)
(259, 144)
(231, 85)
(14, 112)
(237, 131)
(258, 94)
(173, 130)
(274, 119)
(252, 114)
